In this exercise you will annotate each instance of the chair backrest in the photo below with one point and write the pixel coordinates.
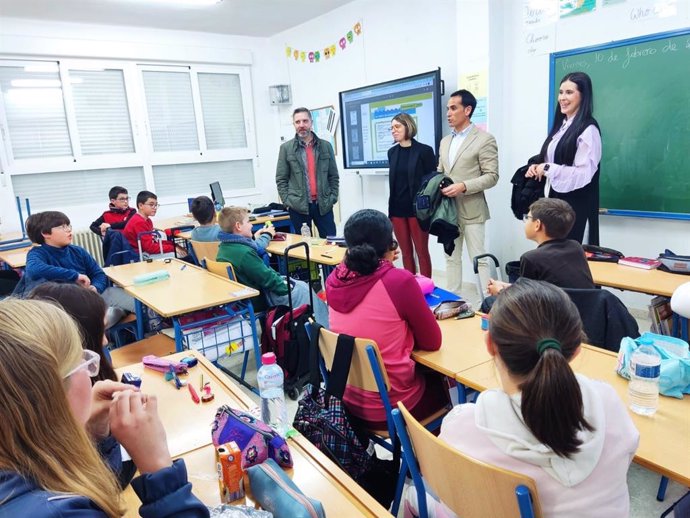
(470, 488)
(361, 372)
(605, 318)
(207, 249)
(220, 268)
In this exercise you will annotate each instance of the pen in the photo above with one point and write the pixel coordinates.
(183, 267)
(326, 255)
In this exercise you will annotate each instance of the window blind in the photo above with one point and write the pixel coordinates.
(35, 113)
(221, 105)
(53, 191)
(176, 179)
(171, 110)
(100, 105)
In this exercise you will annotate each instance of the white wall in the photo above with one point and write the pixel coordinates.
(32, 38)
(522, 125)
(399, 38)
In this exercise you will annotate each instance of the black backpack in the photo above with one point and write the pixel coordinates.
(525, 190)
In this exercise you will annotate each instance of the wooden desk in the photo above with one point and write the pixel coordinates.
(183, 220)
(462, 347)
(664, 437)
(652, 282)
(327, 255)
(187, 219)
(188, 425)
(15, 258)
(124, 275)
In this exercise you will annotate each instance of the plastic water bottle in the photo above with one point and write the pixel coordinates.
(643, 388)
(270, 380)
(305, 231)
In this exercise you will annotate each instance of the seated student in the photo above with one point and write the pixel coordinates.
(204, 212)
(57, 259)
(49, 466)
(147, 206)
(557, 260)
(368, 297)
(88, 311)
(573, 436)
(118, 214)
(238, 247)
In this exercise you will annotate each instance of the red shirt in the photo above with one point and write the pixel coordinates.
(311, 170)
(149, 243)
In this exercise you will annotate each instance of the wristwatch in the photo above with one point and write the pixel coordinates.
(546, 167)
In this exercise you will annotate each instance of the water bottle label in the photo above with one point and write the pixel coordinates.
(647, 371)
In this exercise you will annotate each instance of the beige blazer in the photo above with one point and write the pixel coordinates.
(476, 164)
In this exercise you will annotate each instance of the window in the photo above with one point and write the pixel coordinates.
(195, 178)
(171, 110)
(100, 107)
(35, 111)
(221, 104)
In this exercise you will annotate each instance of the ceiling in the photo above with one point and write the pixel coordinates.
(259, 18)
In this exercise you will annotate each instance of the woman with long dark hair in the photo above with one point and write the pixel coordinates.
(572, 435)
(409, 161)
(570, 156)
(369, 298)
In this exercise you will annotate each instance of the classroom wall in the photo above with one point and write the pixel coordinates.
(398, 39)
(22, 38)
(522, 125)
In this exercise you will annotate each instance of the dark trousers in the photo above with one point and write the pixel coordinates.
(325, 224)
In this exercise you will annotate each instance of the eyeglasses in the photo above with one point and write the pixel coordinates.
(123, 199)
(152, 205)
(91, 363)
(525, 217)
(393, 246)
(64, 228)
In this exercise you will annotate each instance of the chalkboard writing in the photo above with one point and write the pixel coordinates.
(642, 103)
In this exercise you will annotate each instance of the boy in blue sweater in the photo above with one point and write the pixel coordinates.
(57, 259)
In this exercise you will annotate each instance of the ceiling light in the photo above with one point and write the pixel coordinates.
(186, 3)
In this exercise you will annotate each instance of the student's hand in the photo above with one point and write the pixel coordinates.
(98, 424)
(181, 252)
(265, 230)
(495, 287)
(83, 280)
(104, 227)
(134, 422)
(454, 189)
(93, 288)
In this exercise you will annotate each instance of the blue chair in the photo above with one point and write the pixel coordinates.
(469, 488)
(368, 372)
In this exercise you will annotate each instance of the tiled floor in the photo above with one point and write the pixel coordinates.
(642, 483)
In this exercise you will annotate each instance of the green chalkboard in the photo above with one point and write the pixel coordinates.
(642, 103)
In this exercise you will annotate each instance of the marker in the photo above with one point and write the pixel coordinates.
(195, 396)
(183, 267)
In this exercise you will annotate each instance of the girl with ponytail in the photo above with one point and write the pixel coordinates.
(572, 435)
(369, 298)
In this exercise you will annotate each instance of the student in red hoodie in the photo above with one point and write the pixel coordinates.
(147, 206)
(368, 297)
(118, 214)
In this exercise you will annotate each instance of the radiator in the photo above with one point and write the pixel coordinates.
(90, 242)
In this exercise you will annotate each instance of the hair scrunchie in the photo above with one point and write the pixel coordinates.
(548, 343)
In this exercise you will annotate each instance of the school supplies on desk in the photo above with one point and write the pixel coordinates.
(162, 365)
(640, 262)
(151, 277)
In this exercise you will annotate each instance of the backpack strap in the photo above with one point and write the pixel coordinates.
(340, 370)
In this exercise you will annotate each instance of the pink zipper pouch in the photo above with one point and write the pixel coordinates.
(273, 490)
(425, 283)
(255, 438)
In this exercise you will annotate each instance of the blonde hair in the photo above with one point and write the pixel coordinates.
(231, 215)
(40, 439)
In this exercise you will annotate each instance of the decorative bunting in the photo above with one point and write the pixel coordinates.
(328, 52)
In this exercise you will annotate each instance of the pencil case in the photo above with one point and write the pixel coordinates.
(149, 278)
(273, 490)
(162, 365)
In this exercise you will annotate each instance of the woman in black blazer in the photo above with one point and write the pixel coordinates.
(408, 161)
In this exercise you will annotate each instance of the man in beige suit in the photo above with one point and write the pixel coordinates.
(470, 157)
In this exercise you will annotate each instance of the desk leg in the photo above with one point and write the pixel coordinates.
(462, 393)
(139, 309)
(179, 345)
(661, 493)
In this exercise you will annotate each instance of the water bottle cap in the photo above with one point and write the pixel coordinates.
(268, 359)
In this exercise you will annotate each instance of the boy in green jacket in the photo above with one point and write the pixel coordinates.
(246, 256)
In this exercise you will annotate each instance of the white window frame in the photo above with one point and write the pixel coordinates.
(143, 155)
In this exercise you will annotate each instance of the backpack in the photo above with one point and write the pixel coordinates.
(673, 263)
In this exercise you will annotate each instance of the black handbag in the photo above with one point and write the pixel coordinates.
(525, 190)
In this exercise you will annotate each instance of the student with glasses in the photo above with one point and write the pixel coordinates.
(147, 206)
(58, 260)
(51, 417)
(368, 297)
(118, 214)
